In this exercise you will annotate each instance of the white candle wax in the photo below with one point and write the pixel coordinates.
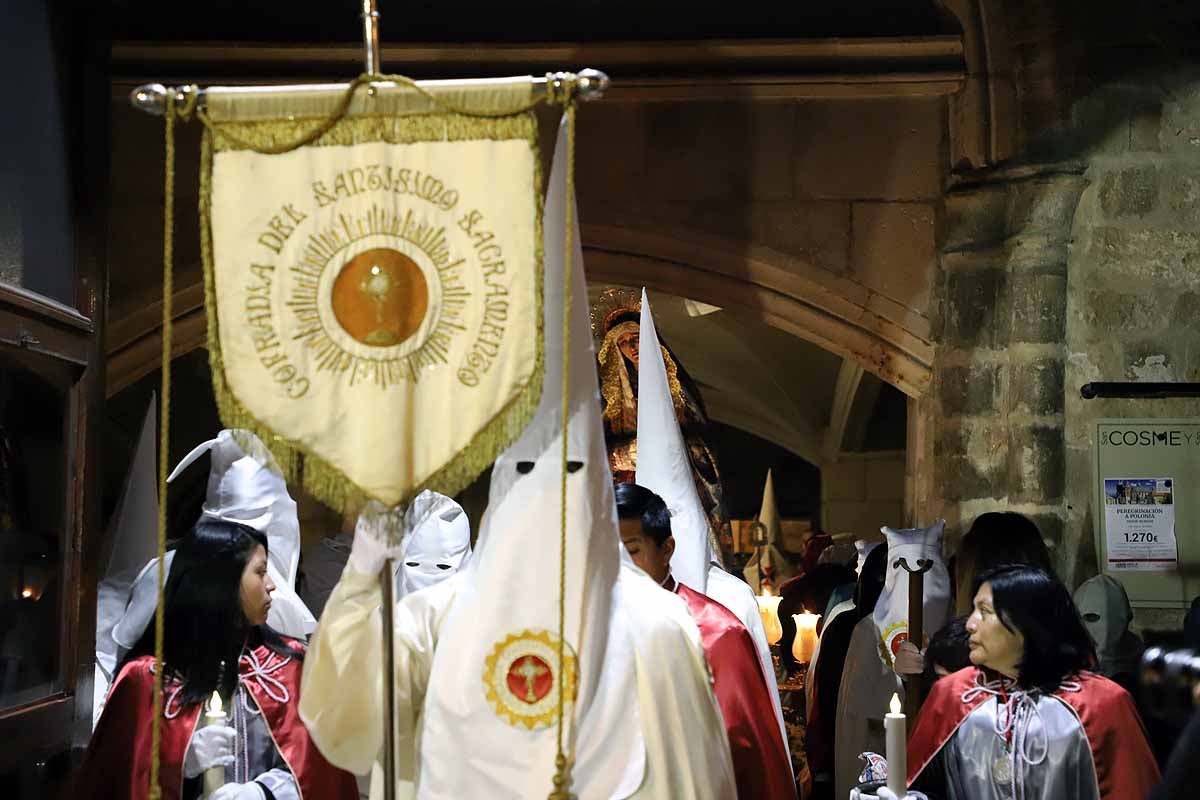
(894, 726)
(214, 714)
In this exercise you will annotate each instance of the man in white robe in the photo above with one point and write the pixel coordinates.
(437, 542)
(665, 468)
(477, 665)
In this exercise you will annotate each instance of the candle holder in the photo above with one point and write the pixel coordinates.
(768, 609)
(805, 642)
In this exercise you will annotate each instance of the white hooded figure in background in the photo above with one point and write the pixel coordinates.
(868, 680)
(245, 485)
(864, 548)
(133, 531)
(477, 656)
(1104, 606)
(767, 557)
(437, 542)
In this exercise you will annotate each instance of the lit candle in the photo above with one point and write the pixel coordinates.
(897, 754)
(768, 609)
(214, 714)
(806, 636)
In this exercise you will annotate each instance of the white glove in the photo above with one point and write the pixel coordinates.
(239, 791)
(377, 526)
(909, 660)
(210, 746)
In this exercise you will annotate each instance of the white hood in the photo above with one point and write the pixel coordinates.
(133, 532)
(663, 464)
(1104, 606)
(864, 549)
(490, 710)
(891, 610)
(768, 556)
(437, 542)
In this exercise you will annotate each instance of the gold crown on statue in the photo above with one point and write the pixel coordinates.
(615, 304)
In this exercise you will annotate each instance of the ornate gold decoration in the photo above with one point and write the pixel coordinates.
(890, 640)
(614, 302)
(521, 680)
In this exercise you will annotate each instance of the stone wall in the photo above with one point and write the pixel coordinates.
(1133, 309)
(848, 188)
(860, 492)
(1055, 273)
(995, 415)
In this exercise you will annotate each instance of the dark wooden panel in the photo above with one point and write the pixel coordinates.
(38, 729)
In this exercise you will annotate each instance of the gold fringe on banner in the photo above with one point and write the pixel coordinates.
(322, 479)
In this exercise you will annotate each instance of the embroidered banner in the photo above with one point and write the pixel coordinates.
(374, 298)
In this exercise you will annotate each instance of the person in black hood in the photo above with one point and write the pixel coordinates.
(826, 672)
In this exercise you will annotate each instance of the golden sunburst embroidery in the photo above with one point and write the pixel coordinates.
(520, 677)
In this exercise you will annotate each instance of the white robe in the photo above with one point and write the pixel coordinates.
(686, 749)
(867, 686)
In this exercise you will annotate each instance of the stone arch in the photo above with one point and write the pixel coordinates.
(983, 115)
(804, 300)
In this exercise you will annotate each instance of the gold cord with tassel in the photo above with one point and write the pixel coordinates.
(562, 764)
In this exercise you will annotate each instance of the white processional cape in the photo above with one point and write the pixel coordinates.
(491, 705)
(891, 612)
(663, 464)
(133, 532)
(437, 542)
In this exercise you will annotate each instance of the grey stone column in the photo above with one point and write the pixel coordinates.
(995, 413)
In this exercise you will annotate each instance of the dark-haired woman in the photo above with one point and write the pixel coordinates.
(216, 597)
(1029, 720)
(996, 538)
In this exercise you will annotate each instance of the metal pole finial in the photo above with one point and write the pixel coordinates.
(592, 84)
(370, 17)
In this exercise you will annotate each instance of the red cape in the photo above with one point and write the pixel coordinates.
(1125, 767)
(117, 764)
(760, 759)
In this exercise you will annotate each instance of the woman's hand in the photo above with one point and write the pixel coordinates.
(909, 660)
(239, 791)
(211, 746)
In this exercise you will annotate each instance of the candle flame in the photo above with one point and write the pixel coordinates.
(895, 703)
(27, 593)
(214, 703)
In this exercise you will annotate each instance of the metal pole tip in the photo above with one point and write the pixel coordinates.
(592, 84)
(149, 97)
